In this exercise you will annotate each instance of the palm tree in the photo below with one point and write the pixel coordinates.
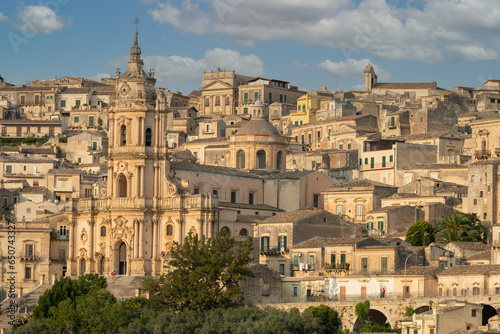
(454, 228)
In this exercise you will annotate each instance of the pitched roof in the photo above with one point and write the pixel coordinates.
(420, 270)
(64, 171)
(472, 270)
(33, 190)
(486, 255)
(434, 166)
(367, 184)
(250, 206)
(294, 216)
(473, 246)
(405, 85)
(324, 242)
(187, 166)
(291, 175)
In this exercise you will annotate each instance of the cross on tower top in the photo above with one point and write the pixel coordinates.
(136, 21)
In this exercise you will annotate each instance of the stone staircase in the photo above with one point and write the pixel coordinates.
(124, 286)
(25, 303)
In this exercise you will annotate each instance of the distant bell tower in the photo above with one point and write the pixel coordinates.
(370, 78)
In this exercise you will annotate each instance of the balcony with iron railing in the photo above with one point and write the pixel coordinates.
(29, 256)
(482, 154)
(23, 175)
(277, 250)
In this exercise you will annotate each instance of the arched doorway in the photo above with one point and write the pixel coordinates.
(121, 183)
(488, 312)
(122, 259)
(82, 266)
(260, 161)
(374, 316)
(100, 268)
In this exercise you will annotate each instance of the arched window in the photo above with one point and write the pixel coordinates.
(240, 159)
(103, 231)
(278, 160)
(170, 230)
(123, 135)
(121, 181)
(260, 160)
(148, 137)
(243, 232)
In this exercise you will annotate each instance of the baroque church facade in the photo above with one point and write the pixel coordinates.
(130, 226)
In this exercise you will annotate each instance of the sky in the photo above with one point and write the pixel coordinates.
(311, 44)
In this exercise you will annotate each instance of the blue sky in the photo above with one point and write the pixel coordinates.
(311, 43)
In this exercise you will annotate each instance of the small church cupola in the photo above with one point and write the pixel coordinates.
(258, 110)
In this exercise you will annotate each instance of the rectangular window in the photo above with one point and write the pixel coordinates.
(245, 111)
(282, 242)
(94, 146)
(91, 120)
(250, 198)
(372, 162)
(8, 169)
(339, 209)
(282, 269)
(295, 290)
(270, 97)
(27, 273)
(298, 107)
(28, 250)
(264, 244)
(319, 134)
(245, 97)
(369, 226)
(311, 261)
(233, 196)
(383, 161)
(366, 161)
(255, 96)
(77, 103)
(473, 313)
(364, 264)
(342, 258)
(295, 260)
(391, 158)
(76, 119)
(360, 162)
(315, 200)
(383, 265)
(380, 225)
(196, 191)
(281, 97)
(359, 211)
(332, 259)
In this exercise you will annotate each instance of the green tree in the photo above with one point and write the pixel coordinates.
(409, 311)
(204, 274)
(328, 316)
(421, 233)
(462, 227)
(361, 310)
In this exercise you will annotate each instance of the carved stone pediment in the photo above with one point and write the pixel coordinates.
(121, 230)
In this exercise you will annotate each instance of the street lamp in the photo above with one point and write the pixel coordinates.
(404, 287)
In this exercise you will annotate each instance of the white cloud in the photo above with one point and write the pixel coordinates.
(39, 19)
(352, 68)
(300, 64)
(177, 70)
(99, 76)
(3, 18)
(434, 31)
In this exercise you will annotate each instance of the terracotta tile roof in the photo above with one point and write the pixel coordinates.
(33, 190)
(390, 208)
(291, 175)
(355, 185)
(187, 166)
(420, 270)
(486, 255)
(64, 171)
(28, 121)
(298, 215)
(250, 218)
(434, 166)
(437, 134)
(250, 206)
(473, 246)
(209, 140)
(405, 85)
(317, 242)
(472, 270)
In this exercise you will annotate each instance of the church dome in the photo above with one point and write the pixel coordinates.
(258, 127)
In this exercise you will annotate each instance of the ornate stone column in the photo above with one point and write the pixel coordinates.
(129, 185)
(72, 233)
(141, 239)
(210, 228)
(138, 181)
(155, 238)
(179, 231)
(91, 240)
(200, 227)
(111, 186)
(136, 238)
